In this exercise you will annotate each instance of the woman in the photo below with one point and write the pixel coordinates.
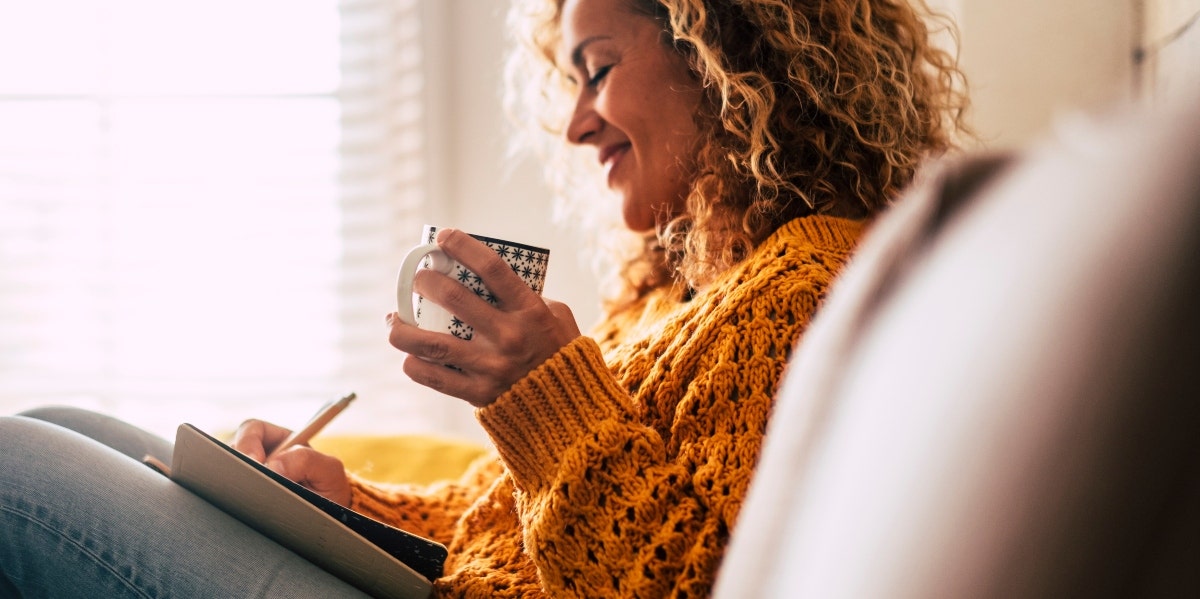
(749, 144)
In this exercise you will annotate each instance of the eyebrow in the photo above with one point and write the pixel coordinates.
(577, 53)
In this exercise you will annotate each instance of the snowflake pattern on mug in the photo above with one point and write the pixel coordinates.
(527, 262)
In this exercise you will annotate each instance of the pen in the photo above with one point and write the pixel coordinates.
(314, 426)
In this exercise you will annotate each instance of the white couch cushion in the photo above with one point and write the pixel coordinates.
(1000, 397)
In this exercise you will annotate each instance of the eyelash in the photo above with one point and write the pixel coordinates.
(601, 72)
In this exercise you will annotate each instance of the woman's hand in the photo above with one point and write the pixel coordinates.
(511, 338)
(324, 474)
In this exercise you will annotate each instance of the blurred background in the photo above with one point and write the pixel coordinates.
(202, 204)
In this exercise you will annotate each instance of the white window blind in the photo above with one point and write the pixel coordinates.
(202, 204)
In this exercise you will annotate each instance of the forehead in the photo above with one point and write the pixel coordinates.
(581, 18)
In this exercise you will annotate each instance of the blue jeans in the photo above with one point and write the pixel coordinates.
(80, 518)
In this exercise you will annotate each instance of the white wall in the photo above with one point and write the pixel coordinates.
(1029, 61)
(1172, 43)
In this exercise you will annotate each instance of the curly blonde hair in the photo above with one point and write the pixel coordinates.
(810, 107)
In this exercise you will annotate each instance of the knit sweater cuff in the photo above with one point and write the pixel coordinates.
(368, 500)
(540, 417)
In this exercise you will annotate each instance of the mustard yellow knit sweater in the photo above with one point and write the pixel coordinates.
(623, 460)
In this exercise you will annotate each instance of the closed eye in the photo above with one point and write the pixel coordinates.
(598, 76)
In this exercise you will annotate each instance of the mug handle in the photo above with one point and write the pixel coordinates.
(408, 269)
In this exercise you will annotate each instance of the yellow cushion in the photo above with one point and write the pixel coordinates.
(418, 459)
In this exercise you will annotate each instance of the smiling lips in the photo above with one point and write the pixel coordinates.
(611, 155)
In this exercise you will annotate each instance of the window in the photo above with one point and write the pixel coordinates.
(202, 202)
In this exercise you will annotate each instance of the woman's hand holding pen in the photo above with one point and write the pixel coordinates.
(324, 474)
(511, 338)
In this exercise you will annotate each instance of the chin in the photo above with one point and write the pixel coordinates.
(635, 221)
(639, 225)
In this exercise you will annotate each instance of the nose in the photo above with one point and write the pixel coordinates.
(585, 123)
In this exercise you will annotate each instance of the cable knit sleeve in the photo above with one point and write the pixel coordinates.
(429, 511)
(629, 472)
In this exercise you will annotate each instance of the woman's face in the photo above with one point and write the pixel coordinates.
(635, 103)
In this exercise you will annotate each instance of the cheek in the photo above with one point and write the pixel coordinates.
(680, 106)
(682, 138)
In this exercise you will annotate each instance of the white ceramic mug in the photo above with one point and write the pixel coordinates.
(528, 262)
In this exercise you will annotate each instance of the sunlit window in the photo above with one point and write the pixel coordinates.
(192, 194)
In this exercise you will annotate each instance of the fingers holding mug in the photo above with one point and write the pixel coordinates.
(506, 272)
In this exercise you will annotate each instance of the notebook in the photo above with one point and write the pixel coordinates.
(379, 559)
